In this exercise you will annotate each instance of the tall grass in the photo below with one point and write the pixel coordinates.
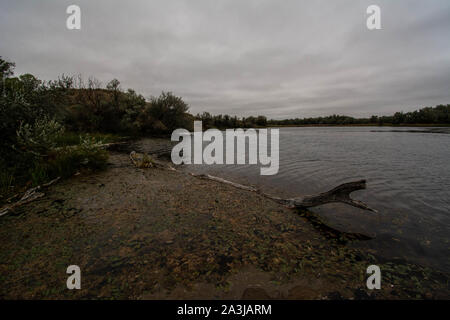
(6, 181)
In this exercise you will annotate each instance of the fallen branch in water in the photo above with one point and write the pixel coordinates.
(29, 196)
(339, 194)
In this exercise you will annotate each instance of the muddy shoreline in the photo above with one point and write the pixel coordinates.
(159, 234)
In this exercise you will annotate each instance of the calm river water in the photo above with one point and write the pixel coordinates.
(408, 182)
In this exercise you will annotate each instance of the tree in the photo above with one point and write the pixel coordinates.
(6, 68)
(114, 87)
(398, 118)
(261, 121)
(170, 110)
(6, 71)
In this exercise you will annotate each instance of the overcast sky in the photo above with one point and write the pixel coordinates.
(278, 58)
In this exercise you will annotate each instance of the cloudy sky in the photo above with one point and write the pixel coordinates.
(279, 58)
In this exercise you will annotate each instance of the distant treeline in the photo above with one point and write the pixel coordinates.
(428, 115)
(226, 121)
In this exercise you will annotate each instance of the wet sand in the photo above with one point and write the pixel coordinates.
(158, 234)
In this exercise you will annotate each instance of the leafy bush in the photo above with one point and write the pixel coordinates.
(65, 161)
(40, 137)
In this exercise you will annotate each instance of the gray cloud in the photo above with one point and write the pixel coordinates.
(278, 58)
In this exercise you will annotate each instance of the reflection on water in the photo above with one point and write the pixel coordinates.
(408, 175)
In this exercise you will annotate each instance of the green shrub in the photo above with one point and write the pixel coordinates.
(55, 153)
(65, 161)
(39, 138)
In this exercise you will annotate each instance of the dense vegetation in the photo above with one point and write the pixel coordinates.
(439, 115)
(428, 115)
(227, 121)
(56, 128)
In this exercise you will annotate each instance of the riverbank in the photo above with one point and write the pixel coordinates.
(153, 233)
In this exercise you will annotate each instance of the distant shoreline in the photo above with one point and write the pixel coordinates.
(361, 125)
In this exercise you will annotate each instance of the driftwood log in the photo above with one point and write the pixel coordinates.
(339, 194)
